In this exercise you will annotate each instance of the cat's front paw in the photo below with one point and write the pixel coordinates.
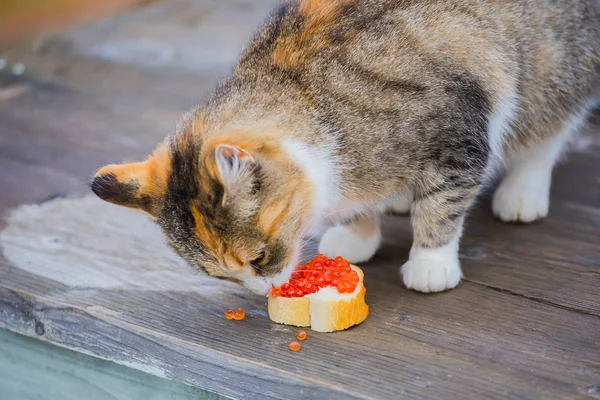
(342, 241)
(514, 202)
(429, 275)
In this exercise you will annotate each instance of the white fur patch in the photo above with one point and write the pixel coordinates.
(433, 270)
(525, 199)
(342, 241)
(318, 166)
(499, 128)
(258, 285)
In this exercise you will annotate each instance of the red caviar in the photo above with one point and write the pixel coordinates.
(301, 335)
(318, 273)
(239, 314)
(229, 314)
(294, 346)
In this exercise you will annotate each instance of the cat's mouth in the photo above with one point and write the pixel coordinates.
(262, 285)
(258, 285)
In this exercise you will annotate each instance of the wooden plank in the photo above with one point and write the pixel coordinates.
(31, 369)
(557, 260)
(42, 183)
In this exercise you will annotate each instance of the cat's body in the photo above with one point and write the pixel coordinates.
(340, 108)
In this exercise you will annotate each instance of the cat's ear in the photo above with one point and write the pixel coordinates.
(235, 168)
(139, 185)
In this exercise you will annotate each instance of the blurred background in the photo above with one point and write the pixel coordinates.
(84, 83)
(21, 19)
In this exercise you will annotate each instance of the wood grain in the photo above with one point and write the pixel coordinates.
(525, 324)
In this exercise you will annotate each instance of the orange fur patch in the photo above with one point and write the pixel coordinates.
(321, 12)
(350, 34)
(159, 171)
(131, 173)
(269, 219)
(150, 177)
(319, 17)
(225, 255)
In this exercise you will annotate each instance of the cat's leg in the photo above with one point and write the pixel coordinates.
(402, 203)
(437, 219)
(524, 194)
(357, 241)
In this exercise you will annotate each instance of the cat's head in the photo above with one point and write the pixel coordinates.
(231, 205)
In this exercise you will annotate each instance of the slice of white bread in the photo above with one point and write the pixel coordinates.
(325, 310)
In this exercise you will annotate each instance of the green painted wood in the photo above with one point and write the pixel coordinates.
(32, 369)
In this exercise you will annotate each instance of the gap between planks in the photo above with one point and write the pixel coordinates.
(532, 298)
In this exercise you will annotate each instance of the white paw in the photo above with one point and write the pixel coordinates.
(341, 241)
(433, 270)
(515, 202)
(429, 275)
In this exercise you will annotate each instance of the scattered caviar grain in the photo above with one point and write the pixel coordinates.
(294, 346)
(239, 314)
(229, 314)
(301, 335)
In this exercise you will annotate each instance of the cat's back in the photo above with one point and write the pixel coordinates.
(381, 65)
(316, 41)
(413, 36)
(397, 58)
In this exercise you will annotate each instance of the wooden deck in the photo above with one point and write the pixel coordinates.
(524, 324)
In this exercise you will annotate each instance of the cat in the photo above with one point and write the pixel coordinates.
(340, 109)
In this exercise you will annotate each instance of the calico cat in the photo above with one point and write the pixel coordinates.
(339, 109)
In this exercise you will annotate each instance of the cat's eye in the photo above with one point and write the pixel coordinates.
(258, 262)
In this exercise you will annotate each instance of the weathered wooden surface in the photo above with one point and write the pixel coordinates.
(524, 324)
